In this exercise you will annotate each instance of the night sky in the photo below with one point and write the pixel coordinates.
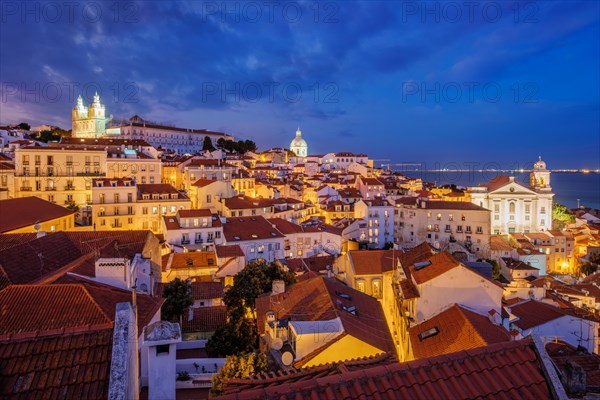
(436, 82)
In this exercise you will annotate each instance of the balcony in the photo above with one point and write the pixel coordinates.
(95, 173)
(198, 241)
(26, 188)
(185, 241)
(50, 188)
(69, 187)
(119, 225)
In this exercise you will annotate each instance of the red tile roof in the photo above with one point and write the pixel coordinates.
(561, 352)
(293, 375)
(196, 259)
(225, 251)
(510, 370)
(318, 299)
(374, 262)
(533, 313)
(107, 297)
(286, 227)
(207, 290)
(44, 259)
(202, 212)
(31, 308)
(27, 211)
(458, 329)
(440, 264)
(499, 182)
(64, 366)
(249, 228)
(203, 182)
(206, 319)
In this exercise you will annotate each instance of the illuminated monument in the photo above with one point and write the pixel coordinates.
(298, 145)
(89, 122)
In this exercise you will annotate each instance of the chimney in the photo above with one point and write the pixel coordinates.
(278, 287)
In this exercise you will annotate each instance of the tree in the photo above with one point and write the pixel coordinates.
(495, 267)
(586, 269)
(178, 298)
(561, 216)
(207, 145)
(254, 280)
(24, 125)
(238, 367)
(240, 335)
(71, 205)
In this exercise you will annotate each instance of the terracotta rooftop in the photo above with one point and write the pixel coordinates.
(249, 228)
(513, 264)
(562, 352)
(533, 313)
(456, 329)
(294, 375)
(203, 212)
(205, 319)
(32, 308)
(192, 259)
(323, 299)
(374, 262)
(62, 366)
(207, 290)
(225, 251)
(509, 370)
(27, 211)
(499, 182)
(203, 182)
(107, 297)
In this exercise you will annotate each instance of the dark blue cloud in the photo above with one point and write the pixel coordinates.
(381, 76)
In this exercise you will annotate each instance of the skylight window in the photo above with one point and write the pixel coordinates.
(428, 333)
(236, 238)
(421, 265)
(254, 236)
(343, 295)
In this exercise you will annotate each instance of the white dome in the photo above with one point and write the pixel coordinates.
(298, 142)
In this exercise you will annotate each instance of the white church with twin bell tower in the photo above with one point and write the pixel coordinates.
(89, 122)
(515, 207)
(298, 145)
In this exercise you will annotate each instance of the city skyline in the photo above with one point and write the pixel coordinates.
(498, 75)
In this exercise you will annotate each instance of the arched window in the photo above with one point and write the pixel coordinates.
(511, 207)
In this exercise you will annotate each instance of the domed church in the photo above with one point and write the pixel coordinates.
(298, 145)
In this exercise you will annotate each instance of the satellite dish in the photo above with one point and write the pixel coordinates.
(36, 227)
(277, 344)
(287, 358)
(436, 244)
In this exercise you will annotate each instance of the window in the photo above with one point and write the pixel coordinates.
(511, 207)
(360, 285)
(154, 210)
(162, 349)
(496, 207)
(208, 198)
(527, 208)
(543, 210)
(479, 229)
(377, 288)
(145, 210)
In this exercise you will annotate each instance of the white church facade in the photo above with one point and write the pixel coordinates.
(90, 121)
(516, 208)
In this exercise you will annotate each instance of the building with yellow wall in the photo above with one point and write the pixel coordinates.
(32, 214)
